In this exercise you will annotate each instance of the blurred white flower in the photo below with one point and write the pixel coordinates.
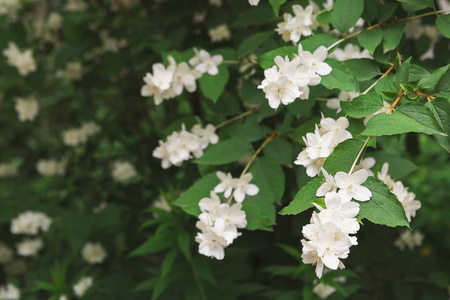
(30, 222)
(83, 285)
(73, 71)
(9, 292)
(10, 8)
(219, 33)
(335, 103)
(409, 239)
(51, 167)
(205, 63)
(350, 51)
(350, 185)
(75, 5)
(6, 254)
(253, 2)
(323, 290)
(74, 137)
(242, 187)
(8, 170)
(93, 253)
(29, 247)
(122, 171)
(22, 61)
(217, 3)
(27, 108)
(54, 21)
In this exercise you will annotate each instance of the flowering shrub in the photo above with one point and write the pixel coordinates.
(221, 149)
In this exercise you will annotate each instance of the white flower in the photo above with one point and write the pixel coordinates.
(335, 103)
(54, 21)
(338, 128)
(93, 253)
(10, 8)
(51, 167)
(409, 239)
(6, 254)
(323, 290)
(150, 89)
(242, 187)
(9, 292)
(75, 5)
(210, 205)
(385, 177)
(83, 285)
(217, 3)
(162, 77)
(29, 247)
(63, 297)
(23, 61)
(123, 171)
(226, 184)
(73, 71)
(161, 203)
(280, 91)
(27, 108)
(74, 137)
(30, 222)
(350, 185)
(205, 63)
(295, 26)
(350, 52)
(315, 61)
(317, 145)
(183, 77)
(90, 128)
(110, 44)
(207, 135)
(162, 153)
(367, 164)
(8, 170)
(232, 216)
(211, 244)
(219, 33)
(253, 2)
(328, 186)
(341, 213)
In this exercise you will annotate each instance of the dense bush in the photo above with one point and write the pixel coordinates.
(217, 149)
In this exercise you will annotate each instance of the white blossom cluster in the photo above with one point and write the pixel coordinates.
(110, 44)
(73, 71)
(218, 223)
(9, 292)
(330, 234)
(8, 170)
(81, 287)
(75, 5)
(409, 239)
(27, 108)
(350, 51)
(219, 33)
(407, 199)
(93, 253)
(22, 61)
(77, 136)
(239, 187)
(289, 79)
(183, 145)
(30, 223)
(166, 83)
(29, 247)
(253, 2)
(10, 8)
(321, 143)
(6, 254)
(123, 171)
(51, 167)
(302, 23)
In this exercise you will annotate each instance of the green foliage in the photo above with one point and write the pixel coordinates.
(304, 198)
(363, 105)
(443, 25)
(340, 78)
(345, 14)
(213, 86)
(225, 152)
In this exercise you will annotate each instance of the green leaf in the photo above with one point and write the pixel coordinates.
(432, 80)
(340, 77)
(168, 261)
(254, 16)
(363, 105)
(266, 60)
(343, 156)
(312, 43)
(302, 130)
(324, 18)
(443, 84)
(225, 152)
(276, 5)
(399, 167)
(345, 14)
(250, 130)
(371, 9)
(213, 86)
(281, 150)
(402, 75)
(200, 189)
(417, 72)
(362, 68)
(154, 244)
(304, 198)
(383, 208)
(252, 42)
(441, 110)
(392, 35)
(398, 123)
(184, 243)
(370, 39)
(415, 5)
(421, 114)
(443, 25)
(256, 219)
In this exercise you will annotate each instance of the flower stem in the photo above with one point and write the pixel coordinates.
(240, 116)
(395, 102)
(231, 62)
(388, 22)
(424, 95)
(375, 83)
(359, 154)
(253, 159)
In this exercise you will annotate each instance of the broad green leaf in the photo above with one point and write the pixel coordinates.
(250, 130)
(200, 189)
(443, 84)
(363, 105)
(343, 156)
(421, 114)
(402, 74)
(183, 239)
(302, 130)
(251, 94)
(441, 110)
(370, 39)
(416, 73)
(398, 123)
(213, 86)
(276, 5)
(266, 60)
(280, 150)
(225, 152)
(304, 198)
(340, 77)
(302, 107)
(254, 16)
(168, 261)
(383, 208)
(312, 43)
(387, 11)
(252, 42)
(362, 68)
(146, 285)
(432, 80)
(345, 14)
(370, 10)
(399, 167)
(324, 18)
(392, 35)
(154, 244)
(443, 25)
(415, 5)
(256, 219)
